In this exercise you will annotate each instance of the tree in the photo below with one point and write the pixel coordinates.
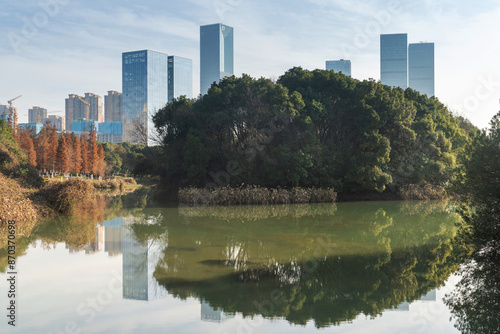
(84, 167)
(51, 148)
(62, 158)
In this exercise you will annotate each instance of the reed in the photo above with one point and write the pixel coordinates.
(424, 192)
(255, 195)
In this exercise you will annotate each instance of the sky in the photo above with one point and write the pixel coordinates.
(52, 48)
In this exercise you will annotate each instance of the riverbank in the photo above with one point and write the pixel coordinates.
(23, 204)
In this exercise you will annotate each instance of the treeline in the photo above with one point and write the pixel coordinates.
(64, 154)
(479, 184)
(310, 129)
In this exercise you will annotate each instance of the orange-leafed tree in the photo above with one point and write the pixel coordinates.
(52, 148)
(92, 152)
(62, 159)
(25, 141)
(101, 164)
(84, 154)
(41, 144)
(76, 158)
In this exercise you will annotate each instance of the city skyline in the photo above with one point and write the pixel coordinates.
(269, 43)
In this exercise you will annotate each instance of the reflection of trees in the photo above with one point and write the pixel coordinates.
(306, 262)
(475, 303)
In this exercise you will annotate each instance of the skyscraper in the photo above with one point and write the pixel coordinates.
(76, 108)
(113, 106)
(180, 77)
(339, 66)
(216, 54)
(421, 68)
(96, 111)
(36, 115)
(394, 60)
(145, 91)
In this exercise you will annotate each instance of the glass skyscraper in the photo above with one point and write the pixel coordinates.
(394, 60)
(338, 66)
(145, 91)
(421, 68)
(180, 77)
(216, 54)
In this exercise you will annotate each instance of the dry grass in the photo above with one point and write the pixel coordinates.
(14, 203)
(65, 197)
(426, 192)
(255, 195)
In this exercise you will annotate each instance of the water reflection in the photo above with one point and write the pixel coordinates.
(326, 263)
(475, 303)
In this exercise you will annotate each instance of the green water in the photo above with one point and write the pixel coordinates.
(242, 269)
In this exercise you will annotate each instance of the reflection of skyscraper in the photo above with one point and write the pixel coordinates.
(394, 60)
(113, 234)
(216, 54)
(139, 263)
(95, 246)
(430, 297)
(210, 314)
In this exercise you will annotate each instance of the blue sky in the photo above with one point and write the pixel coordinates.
(52, 48)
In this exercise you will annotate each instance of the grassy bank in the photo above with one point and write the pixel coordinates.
(255, 195)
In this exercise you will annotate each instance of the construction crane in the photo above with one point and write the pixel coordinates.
(13, 115)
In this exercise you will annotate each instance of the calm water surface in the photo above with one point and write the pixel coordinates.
(340, 268)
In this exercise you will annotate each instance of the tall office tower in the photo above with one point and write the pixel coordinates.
(113, 106)
(145, 91)
(76, 108)
(36, 115)
(216, 54)
(339, 66)
(96, 112)
(421, 68)
(394, 60)
(57, 121)
(180, 77)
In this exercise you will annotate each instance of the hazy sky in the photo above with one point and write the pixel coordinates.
(52, 48)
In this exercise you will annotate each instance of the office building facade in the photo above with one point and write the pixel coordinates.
(145, 91)
(37, 115)
(216, 54)
(180, 77)
(394, 60)
(339, 66)
(421, 68)
(113, 106)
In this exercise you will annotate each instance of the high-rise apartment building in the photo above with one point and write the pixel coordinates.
(216, 54)
(96, 110)
(421, 68)
(113, 106)
(57, 121)
(394, 60)
(180, 77)
(339, 66)
(145, 91)
(37, 115)
(76, 108)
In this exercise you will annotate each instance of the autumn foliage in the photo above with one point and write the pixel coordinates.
(63, 153)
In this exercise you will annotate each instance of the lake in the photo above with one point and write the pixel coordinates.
(129, 267)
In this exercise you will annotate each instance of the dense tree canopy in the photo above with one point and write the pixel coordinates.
(310, 129)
